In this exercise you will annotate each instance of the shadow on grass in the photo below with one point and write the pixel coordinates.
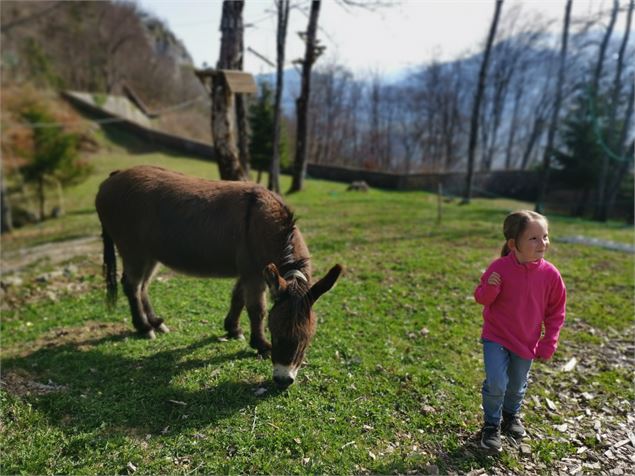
(462, 460)
(467, 457)
(103, 388)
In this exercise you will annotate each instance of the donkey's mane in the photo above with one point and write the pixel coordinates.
(289, 261)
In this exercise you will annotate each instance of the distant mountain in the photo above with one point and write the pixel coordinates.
(291, 89)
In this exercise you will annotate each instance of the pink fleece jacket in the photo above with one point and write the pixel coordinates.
(530, 295)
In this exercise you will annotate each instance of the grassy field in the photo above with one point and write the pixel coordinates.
(391, 382)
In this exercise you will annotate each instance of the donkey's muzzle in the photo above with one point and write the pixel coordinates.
(282, 382)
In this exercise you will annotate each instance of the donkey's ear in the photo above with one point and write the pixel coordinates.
(276, 284)
(326, 283)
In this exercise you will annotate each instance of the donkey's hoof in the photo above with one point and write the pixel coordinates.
(150, 335)
(237, 334)
(264, 350)
(163, 328)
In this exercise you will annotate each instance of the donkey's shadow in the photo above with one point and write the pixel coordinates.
(146, 395)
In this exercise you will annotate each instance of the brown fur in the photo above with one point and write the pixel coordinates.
(212, 229)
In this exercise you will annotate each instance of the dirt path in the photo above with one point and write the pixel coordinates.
(55, 253)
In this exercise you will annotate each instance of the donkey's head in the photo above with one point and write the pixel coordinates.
(292, 321)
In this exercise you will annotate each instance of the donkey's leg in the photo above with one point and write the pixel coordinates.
(232, 324)
(155, 321)
(131, 281)
(256, 303)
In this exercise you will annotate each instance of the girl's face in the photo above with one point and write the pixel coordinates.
(532, 243)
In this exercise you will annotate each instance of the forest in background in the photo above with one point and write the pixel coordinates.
(417, 124)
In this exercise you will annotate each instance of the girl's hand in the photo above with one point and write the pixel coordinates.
(494, 279)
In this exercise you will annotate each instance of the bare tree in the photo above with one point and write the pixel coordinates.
(242, 119)
(477, 103)
(622, 167)
(330, 100)
(601, 210)
(312, 52)
(6, 220)
(227, 157)
(119, 28)
(555, 112)
(47, 9)
(281, 37)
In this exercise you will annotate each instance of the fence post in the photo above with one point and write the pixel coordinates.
(439, 202)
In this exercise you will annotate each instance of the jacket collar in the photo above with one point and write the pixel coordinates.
(529, 265)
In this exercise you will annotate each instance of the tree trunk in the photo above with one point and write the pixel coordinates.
(242, 124)
(302, 104)
(624, 165)
(227, 155)
(512, 131)
(477, 105)
(546, 160)
(281, 38)
(41, 197)
(6, 218)
(536, 132)
(242, 119)
(601, 210)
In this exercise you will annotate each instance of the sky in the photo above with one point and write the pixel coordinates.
(385, 40)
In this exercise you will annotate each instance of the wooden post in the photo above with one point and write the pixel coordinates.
(222, 86)
(439, 202)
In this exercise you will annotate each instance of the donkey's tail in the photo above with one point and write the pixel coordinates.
(110, 268)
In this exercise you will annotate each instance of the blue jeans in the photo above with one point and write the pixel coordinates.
(505, 381)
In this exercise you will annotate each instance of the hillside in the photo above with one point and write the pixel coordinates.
(101, 48)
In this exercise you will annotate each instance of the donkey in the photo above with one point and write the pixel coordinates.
(213, 229)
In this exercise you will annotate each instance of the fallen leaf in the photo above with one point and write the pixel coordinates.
(569, 366)
(622, 443)
(131, 467)
(260, 391)
(347, 444)
(178, 402)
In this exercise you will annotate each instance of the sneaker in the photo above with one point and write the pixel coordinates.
(512, 426)
(491, 437)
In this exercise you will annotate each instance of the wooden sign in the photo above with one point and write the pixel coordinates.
(240, 82)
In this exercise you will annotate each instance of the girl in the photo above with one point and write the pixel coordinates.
(522, 293)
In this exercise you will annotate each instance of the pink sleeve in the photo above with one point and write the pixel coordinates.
(554, 320)
(484, 293)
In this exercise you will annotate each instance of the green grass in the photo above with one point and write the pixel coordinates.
(377, 393)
